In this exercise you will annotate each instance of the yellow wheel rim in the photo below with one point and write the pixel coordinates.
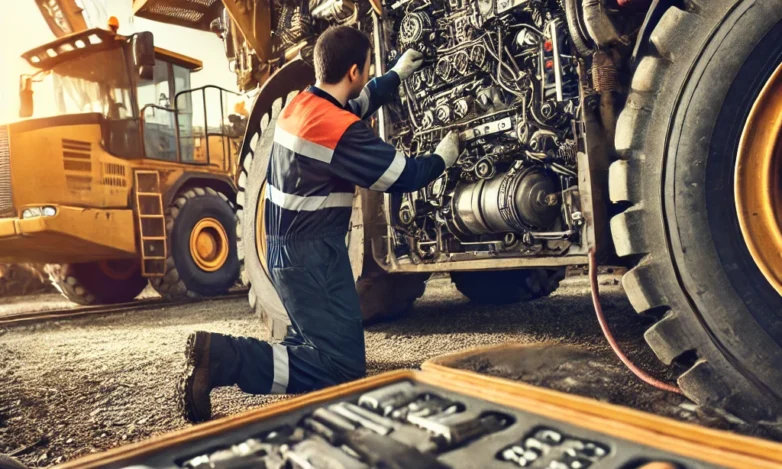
(758, 181)
(209, 245)
(260, 233)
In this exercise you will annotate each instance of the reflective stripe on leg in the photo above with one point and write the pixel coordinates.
(281, 369)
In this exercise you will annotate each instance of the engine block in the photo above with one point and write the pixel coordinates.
(502, 74)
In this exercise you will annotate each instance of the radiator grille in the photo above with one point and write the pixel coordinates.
(114, 175)
(6, 201)
(189, 13)
(76, 160)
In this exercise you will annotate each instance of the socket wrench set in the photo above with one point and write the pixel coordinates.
(408, 425)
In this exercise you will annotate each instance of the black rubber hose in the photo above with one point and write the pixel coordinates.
(577, 29)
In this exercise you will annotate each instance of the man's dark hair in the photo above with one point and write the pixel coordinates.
(337, 50)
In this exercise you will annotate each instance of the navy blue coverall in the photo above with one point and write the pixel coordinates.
(321, 151)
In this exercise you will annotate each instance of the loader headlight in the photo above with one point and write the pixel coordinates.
(34, 212)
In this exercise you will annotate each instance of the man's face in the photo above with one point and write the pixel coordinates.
(361, 78)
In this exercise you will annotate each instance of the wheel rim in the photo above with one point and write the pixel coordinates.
(260, 233)
(119, 269)
(209, 245)
(758, 181)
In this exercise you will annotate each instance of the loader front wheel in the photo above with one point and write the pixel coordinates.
(202, 254)
(699, 182)
(98, 283)
(385, 296)
(499, 287)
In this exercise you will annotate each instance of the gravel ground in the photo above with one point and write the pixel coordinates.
(74, 387)
(11, 305)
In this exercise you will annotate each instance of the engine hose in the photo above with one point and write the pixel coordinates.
(581, 40)
(610, 337)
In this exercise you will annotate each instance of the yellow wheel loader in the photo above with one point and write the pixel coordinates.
(646, 132)
(131, 179)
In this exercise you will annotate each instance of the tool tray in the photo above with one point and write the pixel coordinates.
(518, 430)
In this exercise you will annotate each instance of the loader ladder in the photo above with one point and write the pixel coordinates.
(151, 223)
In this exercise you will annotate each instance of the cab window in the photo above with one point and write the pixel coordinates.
(157, 110)
(184, 105)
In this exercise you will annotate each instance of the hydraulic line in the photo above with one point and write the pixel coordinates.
(610, 337)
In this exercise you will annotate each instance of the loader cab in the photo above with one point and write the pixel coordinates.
(180, 123)
(141, 94)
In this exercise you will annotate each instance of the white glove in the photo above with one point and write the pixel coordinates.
(408, 63)
(448, 148)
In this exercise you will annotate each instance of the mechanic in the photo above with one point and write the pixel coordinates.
(323, 147)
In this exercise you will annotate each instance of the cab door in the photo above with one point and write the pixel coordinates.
(209, 134)
(158, 115)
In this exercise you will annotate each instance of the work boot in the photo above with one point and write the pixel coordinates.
(196, 383)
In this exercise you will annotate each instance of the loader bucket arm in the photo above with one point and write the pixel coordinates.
(63, 17)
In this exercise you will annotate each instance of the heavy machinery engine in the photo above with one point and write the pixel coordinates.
(502, 74)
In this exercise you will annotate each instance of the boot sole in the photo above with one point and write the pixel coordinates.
(185, 385)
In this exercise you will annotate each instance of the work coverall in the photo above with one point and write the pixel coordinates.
(321, 151)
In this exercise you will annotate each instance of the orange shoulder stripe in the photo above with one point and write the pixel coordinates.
(316, 120)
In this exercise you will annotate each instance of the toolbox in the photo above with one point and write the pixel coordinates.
(442, 417)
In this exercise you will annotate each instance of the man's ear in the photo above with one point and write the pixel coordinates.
(354, 73)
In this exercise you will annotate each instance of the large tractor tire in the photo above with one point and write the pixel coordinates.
(98, 283)
(711, 74)
(202, 251)
(381, 295)
(500, 287)
(252, 178)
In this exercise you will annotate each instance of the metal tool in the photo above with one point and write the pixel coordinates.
(250, 453)
(374, 449)
(406, 434)
(457, 427)
(335, 421)
(425, 405)
(379, 428)
(316, 454)
(389, 398)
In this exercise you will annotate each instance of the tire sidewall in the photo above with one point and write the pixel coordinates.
(722, 283)
(194, 278)
(266, 297)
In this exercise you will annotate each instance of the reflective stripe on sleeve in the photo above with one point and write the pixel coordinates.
(299, 203)
(363, 102)
(392, 173)
(301, 146)
(281, 369)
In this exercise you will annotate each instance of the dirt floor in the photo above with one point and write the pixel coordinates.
(74, 387)
(11, 305)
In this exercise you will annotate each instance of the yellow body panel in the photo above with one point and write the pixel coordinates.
(73, 234)
(67, 167)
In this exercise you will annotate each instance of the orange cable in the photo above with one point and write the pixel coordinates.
(610, 337)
